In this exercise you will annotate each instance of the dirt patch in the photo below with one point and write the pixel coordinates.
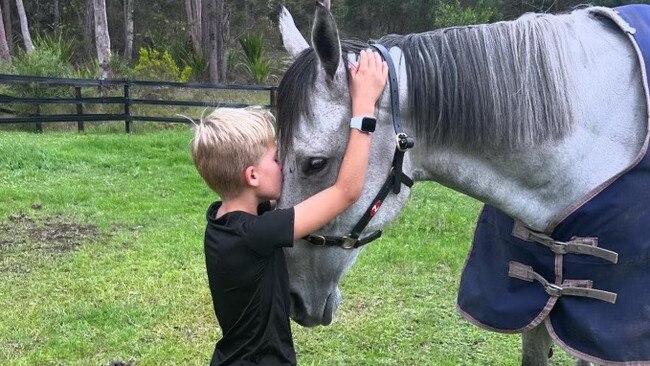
(122, 363)
(24, 236)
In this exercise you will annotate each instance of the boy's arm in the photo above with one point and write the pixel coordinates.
(367, 81)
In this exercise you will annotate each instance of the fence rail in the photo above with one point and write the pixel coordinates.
(126, 100)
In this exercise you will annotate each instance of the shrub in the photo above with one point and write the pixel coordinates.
(47, 59)
(154, 65)
(59, 44)
(194, 64)
(255, 61)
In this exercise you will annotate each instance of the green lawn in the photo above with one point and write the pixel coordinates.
(101, 263)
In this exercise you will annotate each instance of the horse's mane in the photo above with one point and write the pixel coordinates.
(502, 85)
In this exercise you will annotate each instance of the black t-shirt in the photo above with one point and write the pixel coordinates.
(249, 282)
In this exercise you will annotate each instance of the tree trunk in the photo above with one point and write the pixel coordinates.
(215, 24)
(24, 27)
(128, 29)
(9, 30)
(4, 48)
(57, 14)
(89, 28)
(193, 11)
(102, 39)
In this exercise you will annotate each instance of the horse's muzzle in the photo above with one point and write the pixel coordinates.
(311, 316)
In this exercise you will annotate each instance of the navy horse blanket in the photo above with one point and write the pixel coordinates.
(588, 277)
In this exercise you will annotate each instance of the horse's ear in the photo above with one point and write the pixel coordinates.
(325, 38)
(293, 41)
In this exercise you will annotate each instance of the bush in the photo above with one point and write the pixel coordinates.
(154, 65)
(59, 44)
(451, 13)
(255, 61)
(194, 64)
(47, 59)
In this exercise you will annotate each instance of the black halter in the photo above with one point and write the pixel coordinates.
(395, 179)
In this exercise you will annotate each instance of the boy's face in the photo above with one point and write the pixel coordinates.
(270, 174)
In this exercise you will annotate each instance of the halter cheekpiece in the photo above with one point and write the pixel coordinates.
(395, 179)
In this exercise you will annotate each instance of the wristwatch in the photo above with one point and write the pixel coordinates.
(364, 123)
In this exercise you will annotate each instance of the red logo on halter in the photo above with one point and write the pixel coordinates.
(375, 208)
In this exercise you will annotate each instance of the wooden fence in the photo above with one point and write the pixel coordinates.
(126, 100)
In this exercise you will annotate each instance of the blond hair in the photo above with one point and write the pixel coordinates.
(228, 141)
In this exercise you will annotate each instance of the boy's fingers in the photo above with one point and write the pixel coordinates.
(378, 60)
(363, 59)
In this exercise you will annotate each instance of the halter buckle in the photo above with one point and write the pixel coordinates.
(404, 142)
(348, 242)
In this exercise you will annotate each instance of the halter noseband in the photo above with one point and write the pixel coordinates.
(395, 179)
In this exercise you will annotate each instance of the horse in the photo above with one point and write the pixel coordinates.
(534, 117)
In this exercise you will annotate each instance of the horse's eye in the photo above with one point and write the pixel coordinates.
(314, 165)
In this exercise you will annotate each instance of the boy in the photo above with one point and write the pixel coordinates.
(235, 153)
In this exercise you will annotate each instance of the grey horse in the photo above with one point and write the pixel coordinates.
(476, 99)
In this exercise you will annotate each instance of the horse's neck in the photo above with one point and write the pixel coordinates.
(538, 184)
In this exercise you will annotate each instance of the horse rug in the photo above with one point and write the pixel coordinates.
(588, 277)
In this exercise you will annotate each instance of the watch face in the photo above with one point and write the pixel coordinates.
(368, 124)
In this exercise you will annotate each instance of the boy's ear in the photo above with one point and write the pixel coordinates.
(250, 176)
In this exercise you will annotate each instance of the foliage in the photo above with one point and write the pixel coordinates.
(155, 65)
(255, 62)
(91, 70)
(374, 18)
(48, 59)
(59, 43)
(51, 57)
(451, 13)
(194, 64)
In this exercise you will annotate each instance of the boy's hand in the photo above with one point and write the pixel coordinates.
(367, 81)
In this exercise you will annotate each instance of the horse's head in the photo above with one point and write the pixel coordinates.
(314, 116)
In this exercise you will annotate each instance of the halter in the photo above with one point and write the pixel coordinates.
(395, 179)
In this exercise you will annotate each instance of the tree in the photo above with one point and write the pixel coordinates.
(6, 17)
(24, 27)
(102, 39)
(193, 11)
(215, 25)
(4, 48)
(128, 29)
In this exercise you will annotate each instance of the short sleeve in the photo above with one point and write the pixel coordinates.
(273, 229)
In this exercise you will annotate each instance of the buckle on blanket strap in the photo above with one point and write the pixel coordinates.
(526, 273)
(577, 245)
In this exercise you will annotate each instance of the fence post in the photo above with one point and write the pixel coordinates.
(39, 125)
(80, 108)
(274, 97)
(127, 106)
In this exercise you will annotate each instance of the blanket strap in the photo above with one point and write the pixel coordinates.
(526, 273)
(577, 245)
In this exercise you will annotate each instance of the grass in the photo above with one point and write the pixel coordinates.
(101, 263)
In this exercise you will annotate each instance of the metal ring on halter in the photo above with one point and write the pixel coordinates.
(321, 240)
(401, 141)
(349, 243)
